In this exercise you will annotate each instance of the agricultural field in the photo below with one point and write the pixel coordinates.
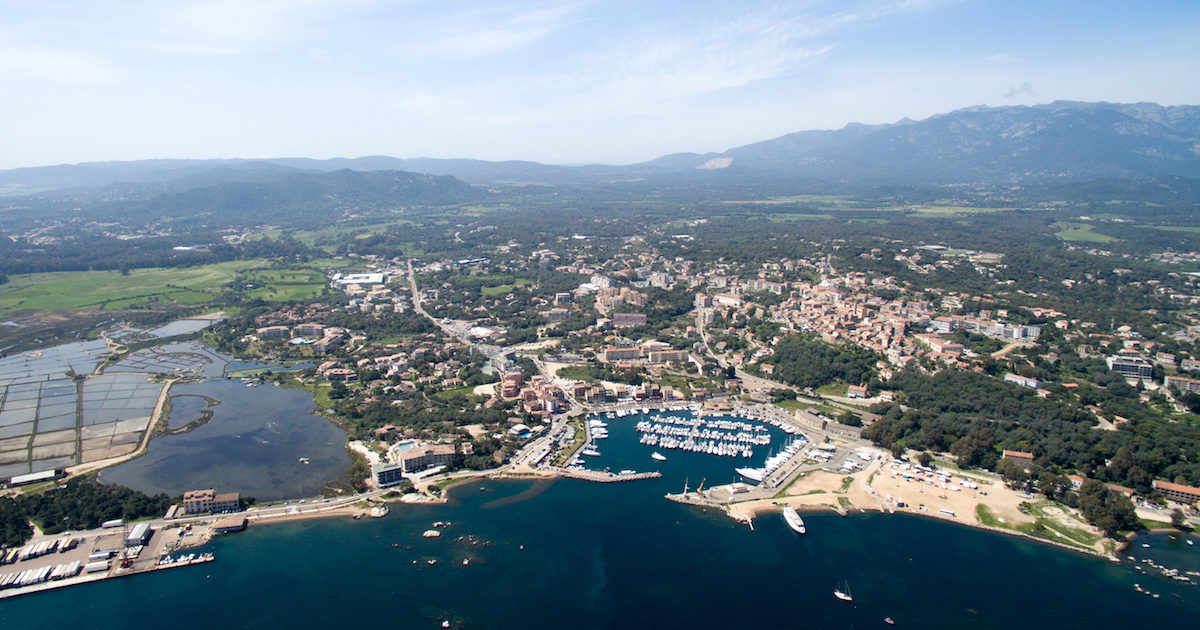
(188, 286)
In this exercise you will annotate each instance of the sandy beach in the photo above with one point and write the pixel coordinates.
(885, 487)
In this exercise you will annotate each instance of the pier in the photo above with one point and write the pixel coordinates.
(108, 574)
(605, 477)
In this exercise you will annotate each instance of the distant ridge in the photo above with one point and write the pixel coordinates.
(1055, 142)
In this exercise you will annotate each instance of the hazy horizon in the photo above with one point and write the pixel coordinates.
(554, 82)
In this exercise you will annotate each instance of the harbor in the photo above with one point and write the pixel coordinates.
(113, 552)
(616, 555)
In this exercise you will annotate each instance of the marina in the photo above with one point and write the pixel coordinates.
(735, 434)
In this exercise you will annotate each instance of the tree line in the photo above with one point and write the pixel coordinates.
(81, 503)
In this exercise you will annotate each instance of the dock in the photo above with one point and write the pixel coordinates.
(694, 498)
(604, 477)
(114, 572)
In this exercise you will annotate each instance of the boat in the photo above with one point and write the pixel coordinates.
(658, 457)
(844, 596)
(793, 520)
(590, 452)
(888, 621)
(753, 474)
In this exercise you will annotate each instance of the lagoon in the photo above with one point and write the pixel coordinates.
(252, 444)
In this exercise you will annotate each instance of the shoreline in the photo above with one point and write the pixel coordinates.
(759, 510)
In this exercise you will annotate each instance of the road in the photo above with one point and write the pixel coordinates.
(458, 330)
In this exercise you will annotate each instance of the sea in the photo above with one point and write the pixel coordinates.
(576, 554)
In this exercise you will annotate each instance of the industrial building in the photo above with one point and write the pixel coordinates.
(139, 536)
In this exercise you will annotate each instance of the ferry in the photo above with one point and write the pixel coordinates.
(658, 457)
(793, 520)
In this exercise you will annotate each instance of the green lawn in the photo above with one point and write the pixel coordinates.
(284, 276)
(1081, 232)
(447, 394)
(501, 289)
(110, 289)
(792, 405)
(985, 516)
(833, 389)
(283, 284)
(286, 292)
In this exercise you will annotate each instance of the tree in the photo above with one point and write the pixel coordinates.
(849, 419)
(1178, 520)
(925, 458)
(1108, 510)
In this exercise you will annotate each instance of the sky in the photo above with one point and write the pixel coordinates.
(584, 81)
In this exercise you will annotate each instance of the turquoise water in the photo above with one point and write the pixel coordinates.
(573, 554)
(252, 445)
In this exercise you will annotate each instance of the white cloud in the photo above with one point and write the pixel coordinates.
(497, 30)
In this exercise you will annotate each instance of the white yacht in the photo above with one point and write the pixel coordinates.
(793, 520)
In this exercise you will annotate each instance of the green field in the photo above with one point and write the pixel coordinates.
(1081, 232)
(333, 234)
(792, 405)
(286, 292)
(832, 389)
(284, 276)
(283, 284)
(109, 289)
(501, 289)
(1174, 228)
(955, 211)
(796, 216)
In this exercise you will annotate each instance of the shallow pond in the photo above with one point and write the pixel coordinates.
(255, 443)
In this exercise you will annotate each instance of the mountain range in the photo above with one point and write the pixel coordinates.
(1053, 143)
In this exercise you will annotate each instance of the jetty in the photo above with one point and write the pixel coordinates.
(604, 477)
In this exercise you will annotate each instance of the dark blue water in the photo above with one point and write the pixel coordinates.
(252, 445)
(618, 556)
(621, 556)
(623, 451)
